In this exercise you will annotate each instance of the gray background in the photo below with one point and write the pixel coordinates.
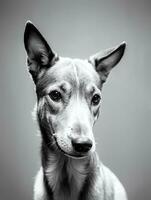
(78, 29)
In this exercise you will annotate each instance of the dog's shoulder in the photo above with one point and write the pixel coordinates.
(113, 188)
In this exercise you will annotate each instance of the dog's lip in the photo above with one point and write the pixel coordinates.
(74, 155)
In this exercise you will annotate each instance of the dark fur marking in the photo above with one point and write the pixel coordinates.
(96, 112)
(65, 180)
(44, 154)
(34, 75)
(46, 129)
(42, 84)
(85, 192)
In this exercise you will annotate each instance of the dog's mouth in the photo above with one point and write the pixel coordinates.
(73, 155)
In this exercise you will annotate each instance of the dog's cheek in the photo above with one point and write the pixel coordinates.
(62, 125)
(62, 133)
(45, 112)
(57, 126)
(61, 122)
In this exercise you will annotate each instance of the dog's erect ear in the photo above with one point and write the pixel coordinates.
(39, 53)
(106, 60)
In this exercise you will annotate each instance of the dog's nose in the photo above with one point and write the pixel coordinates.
(81, 146)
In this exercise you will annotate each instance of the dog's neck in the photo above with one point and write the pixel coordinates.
(66, 176)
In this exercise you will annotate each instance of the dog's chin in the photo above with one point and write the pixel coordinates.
(76, 156)
(72, 155)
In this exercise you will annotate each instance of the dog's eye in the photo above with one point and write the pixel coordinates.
(96, 99)
(55, 95)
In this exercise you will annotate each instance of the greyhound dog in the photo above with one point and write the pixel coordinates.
(68, 100)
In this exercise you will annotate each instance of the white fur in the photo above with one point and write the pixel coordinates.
(39, 190)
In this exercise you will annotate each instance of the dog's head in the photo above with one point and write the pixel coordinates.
(68, 93)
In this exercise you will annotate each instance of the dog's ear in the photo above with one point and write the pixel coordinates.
(106, 60)
(40, 55)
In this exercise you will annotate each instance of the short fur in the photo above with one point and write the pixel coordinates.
(68, 101)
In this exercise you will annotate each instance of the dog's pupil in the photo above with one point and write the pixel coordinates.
(55, 95)
(96, 99)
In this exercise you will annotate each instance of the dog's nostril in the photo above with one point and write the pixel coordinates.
(82, 147)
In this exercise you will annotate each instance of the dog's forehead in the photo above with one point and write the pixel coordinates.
(75, 71)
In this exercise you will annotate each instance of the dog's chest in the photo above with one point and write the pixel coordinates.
(66, 178)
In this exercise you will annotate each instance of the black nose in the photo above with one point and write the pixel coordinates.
(82, 146)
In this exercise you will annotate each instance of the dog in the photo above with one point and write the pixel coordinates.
(68, 100)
